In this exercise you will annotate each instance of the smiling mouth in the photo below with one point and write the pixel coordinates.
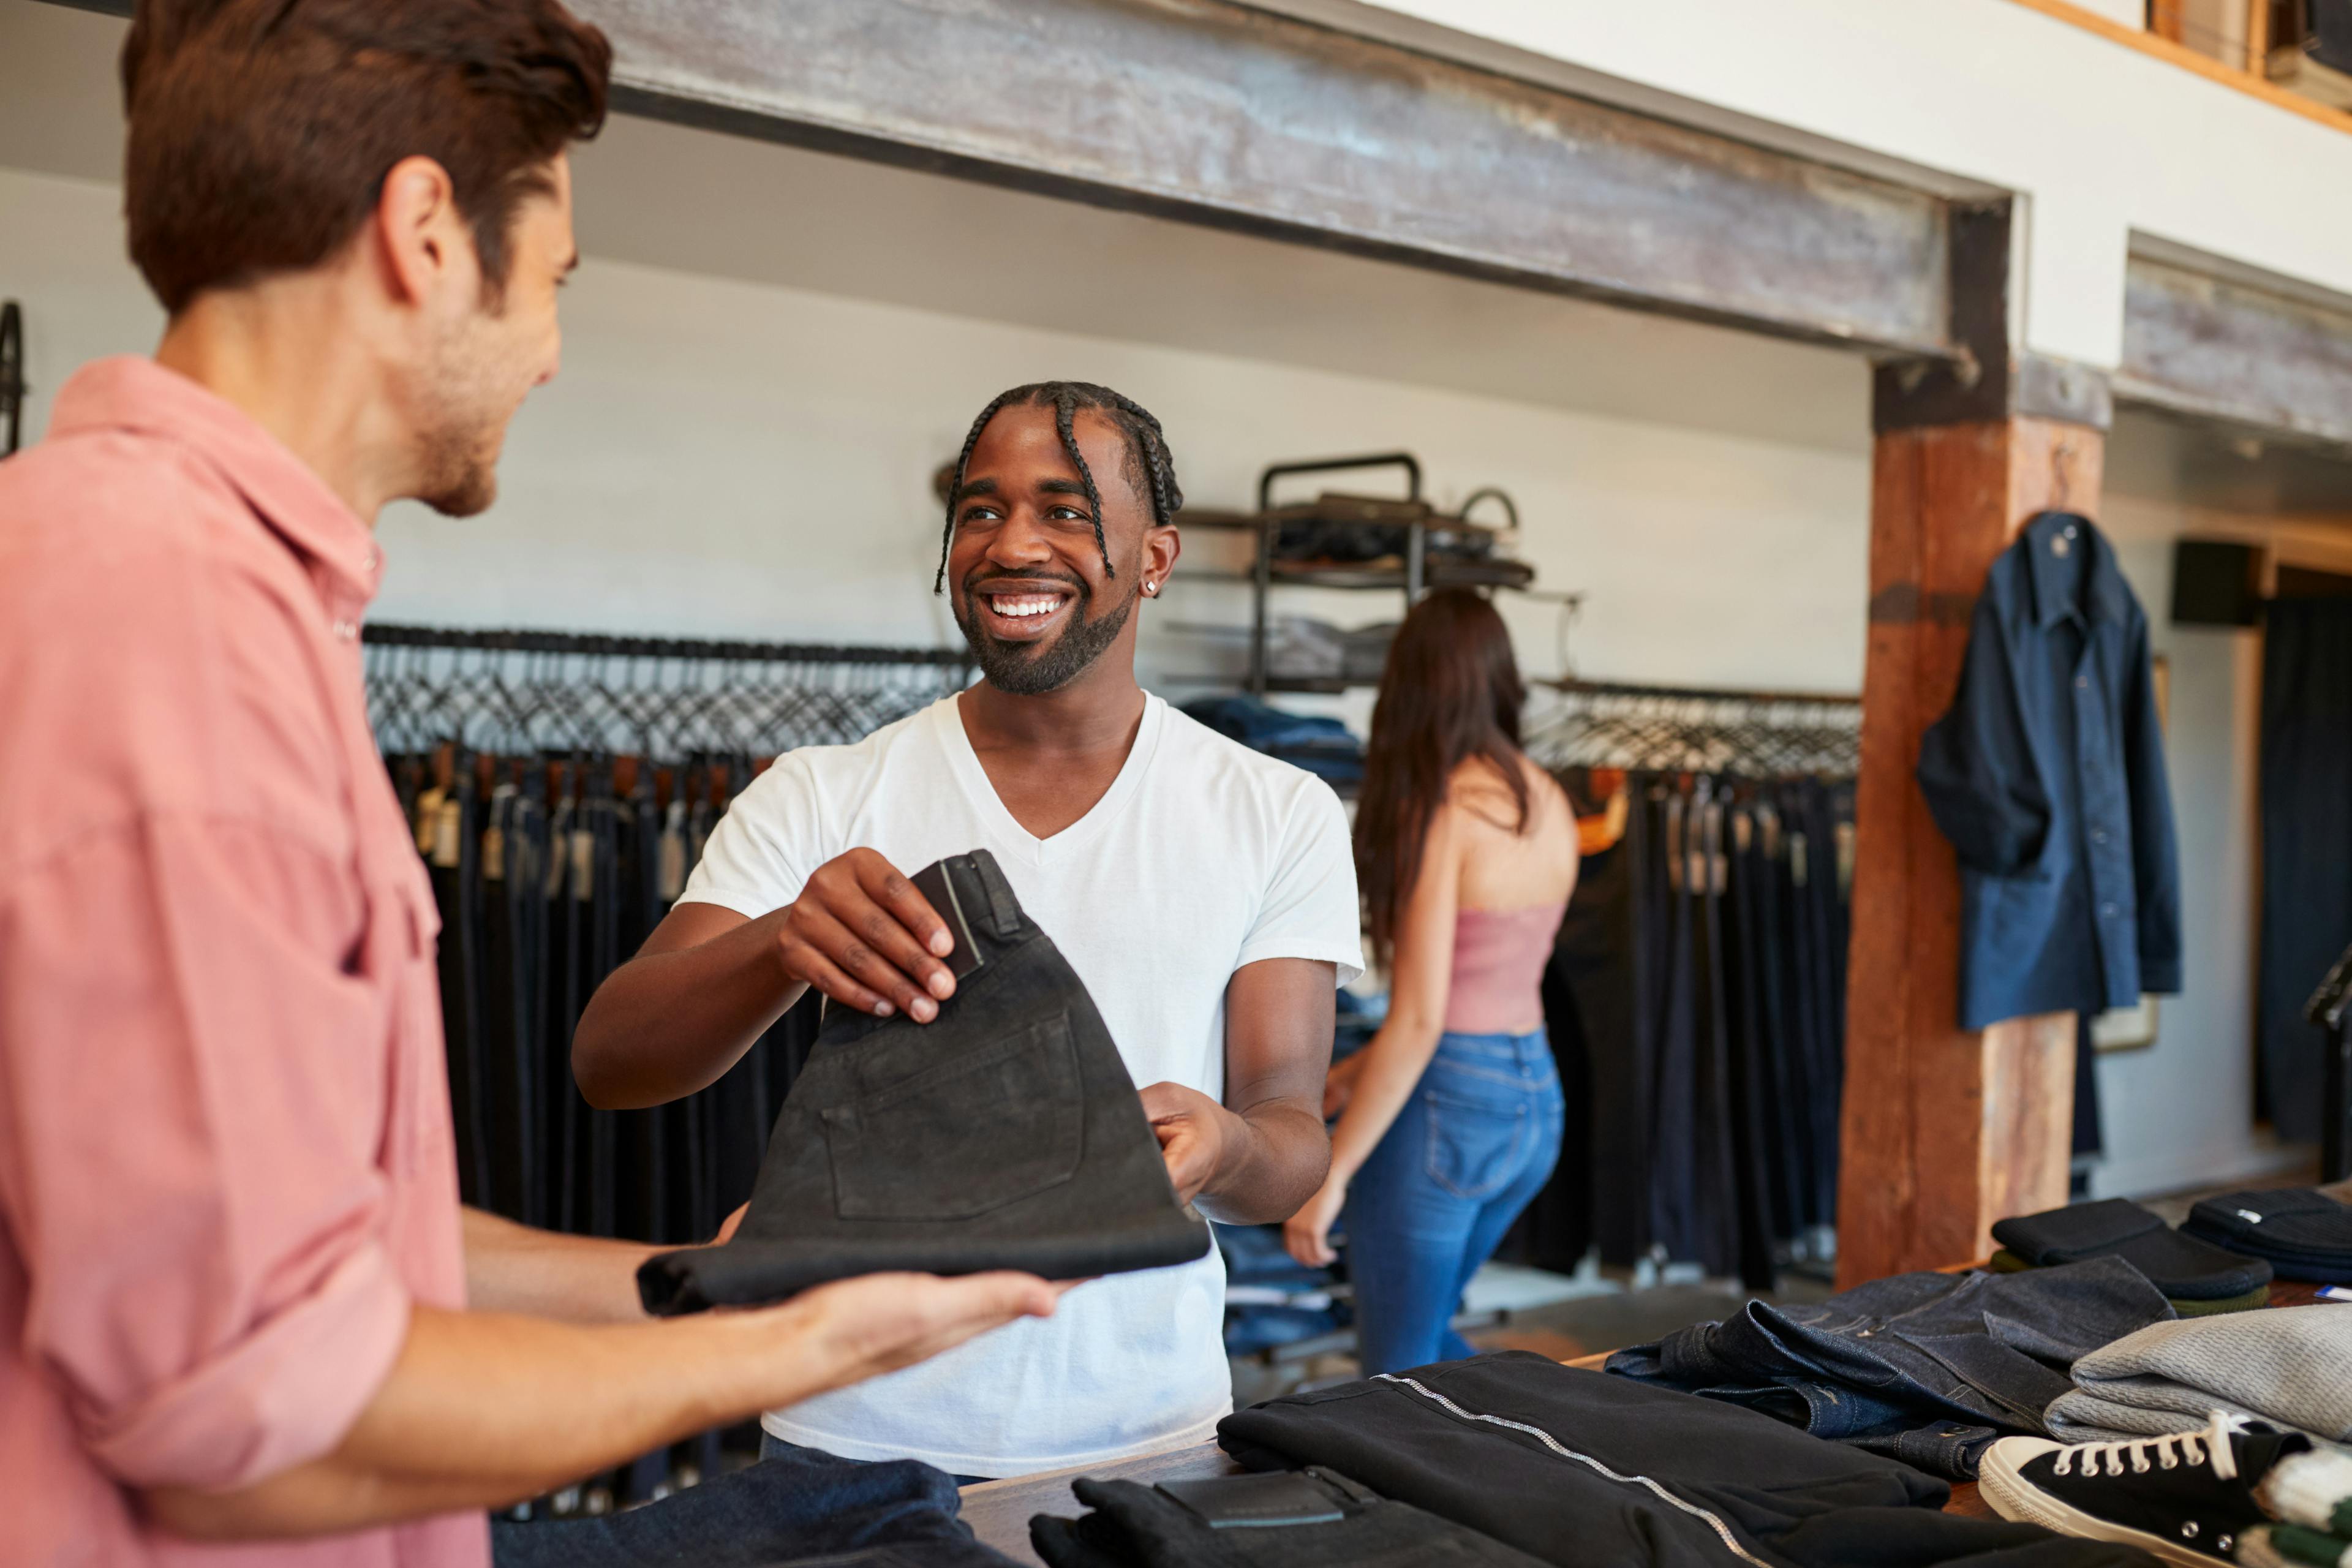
(1019, 613)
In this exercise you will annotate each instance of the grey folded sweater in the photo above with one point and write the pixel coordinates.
(2291, 1366)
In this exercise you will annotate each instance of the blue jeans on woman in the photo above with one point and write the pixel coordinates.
(1471, 1149)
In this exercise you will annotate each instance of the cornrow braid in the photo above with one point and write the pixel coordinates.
(1150, 466)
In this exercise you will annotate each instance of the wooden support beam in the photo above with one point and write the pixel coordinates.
(1945, 1130)
(2218, 345)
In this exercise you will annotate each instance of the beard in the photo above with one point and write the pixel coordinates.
(1032, 669)
(461, 428)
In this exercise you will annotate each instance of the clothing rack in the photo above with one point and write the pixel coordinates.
(1701, 729)
(523, 692)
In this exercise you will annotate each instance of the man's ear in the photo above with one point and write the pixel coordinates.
(426, 243)
(1161, 546)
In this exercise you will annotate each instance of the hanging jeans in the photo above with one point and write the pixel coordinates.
(1470, 1150)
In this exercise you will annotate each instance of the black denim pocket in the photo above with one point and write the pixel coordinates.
(957, 1138)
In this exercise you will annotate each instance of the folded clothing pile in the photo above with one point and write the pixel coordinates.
(1307, 1519)
(2197, 1278)
(1927, 1368)
(1575, 1468)
(2291, 1366)
(2309, 1497)
(1324, 747)
(2301, 1232)
(802, 1507)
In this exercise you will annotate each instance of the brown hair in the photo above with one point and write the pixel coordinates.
(262, 129)
(1451, 691)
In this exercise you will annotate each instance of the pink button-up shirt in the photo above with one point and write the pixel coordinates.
(226, 1150)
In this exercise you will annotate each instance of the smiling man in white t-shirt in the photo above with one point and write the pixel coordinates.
(1205, 893)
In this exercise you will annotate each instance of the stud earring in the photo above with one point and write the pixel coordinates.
(1149, 587)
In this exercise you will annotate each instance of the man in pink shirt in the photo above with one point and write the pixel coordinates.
(239, 1299)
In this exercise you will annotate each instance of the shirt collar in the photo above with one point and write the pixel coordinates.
(129, 392)
(2048, 539)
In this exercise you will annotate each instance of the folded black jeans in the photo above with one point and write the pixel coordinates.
(1007, 1133)
(1304, 1519)
(1578, 1469)
(1927, 1368)
(801, 1508)
(2183, 1266)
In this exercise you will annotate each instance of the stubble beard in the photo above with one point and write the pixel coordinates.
(1028, 669)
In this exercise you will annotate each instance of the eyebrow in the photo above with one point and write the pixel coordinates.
(1060, 488)
(971, 487)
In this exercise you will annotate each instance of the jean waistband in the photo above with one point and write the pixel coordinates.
(1493, 1052)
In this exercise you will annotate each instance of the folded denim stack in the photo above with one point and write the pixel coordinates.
(2197, 1278)
(1577, 1469)
(801, 1508)
(2287, 1366)
(1926, 1368)
(2310, 1498)
(2301, 1232)
(1306, 1519)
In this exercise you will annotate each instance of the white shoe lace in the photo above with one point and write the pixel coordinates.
(2211, 1446)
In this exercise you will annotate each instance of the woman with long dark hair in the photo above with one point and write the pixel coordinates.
(1465, 852)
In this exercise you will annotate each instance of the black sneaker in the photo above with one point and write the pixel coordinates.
(2186, 1498)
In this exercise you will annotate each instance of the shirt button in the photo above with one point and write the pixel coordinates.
(2082, 682)
(2109, 911)
(2098, 836)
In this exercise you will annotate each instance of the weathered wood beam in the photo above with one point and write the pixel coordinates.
(1214, 112)
(2270, 363)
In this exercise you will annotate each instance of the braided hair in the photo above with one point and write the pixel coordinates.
(1151, 467)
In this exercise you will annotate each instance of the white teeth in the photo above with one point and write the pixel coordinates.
(1024, 605)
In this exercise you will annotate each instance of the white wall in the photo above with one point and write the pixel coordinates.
(725, 458)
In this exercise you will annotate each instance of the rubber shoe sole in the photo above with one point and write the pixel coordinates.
(2004, 1488)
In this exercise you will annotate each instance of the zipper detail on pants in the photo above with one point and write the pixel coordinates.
(1730, 1541)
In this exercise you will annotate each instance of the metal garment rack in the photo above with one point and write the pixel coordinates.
(1688, 729)
(524, 692)
(2330, 1008)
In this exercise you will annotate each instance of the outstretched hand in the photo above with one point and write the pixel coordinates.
(880, 1322)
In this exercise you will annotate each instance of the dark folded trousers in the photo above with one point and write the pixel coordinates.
(1004, 1134)
(1927, 1368)
(1313, 1519)
(801, 1508)
(1590, 1471)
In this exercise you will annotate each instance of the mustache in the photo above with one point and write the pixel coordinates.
(973, 579)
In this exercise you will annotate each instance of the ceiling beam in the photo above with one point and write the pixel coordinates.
(2222, 349)
(1218, 113)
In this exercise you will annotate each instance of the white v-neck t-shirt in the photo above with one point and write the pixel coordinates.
(1201, 857)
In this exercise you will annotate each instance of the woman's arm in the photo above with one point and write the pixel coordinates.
(1399, 1052)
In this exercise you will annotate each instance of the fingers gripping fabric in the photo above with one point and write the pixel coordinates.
(1004, 1134)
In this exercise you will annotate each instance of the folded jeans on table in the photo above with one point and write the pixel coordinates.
(801, 1508)
(1579, 1469)
(2184, 1268)
(1006, 1133)
(1307, 1519)
(1927, 1368)
(2287, 1366)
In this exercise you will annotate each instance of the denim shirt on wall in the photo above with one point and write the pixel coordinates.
(2048, 777)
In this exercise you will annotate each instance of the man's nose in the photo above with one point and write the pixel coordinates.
(1022, 540)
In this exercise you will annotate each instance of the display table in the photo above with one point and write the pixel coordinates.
(999, 1511)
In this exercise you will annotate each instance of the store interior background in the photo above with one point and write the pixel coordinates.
(765, 360)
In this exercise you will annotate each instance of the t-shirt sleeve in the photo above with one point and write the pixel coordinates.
(765, 847)
(1310, 909)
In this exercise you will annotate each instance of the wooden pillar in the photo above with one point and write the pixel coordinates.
(1946, 1129)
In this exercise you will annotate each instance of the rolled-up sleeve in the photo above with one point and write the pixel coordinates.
(190, 1106)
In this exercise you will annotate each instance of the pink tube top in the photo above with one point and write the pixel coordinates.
(1498, 964)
